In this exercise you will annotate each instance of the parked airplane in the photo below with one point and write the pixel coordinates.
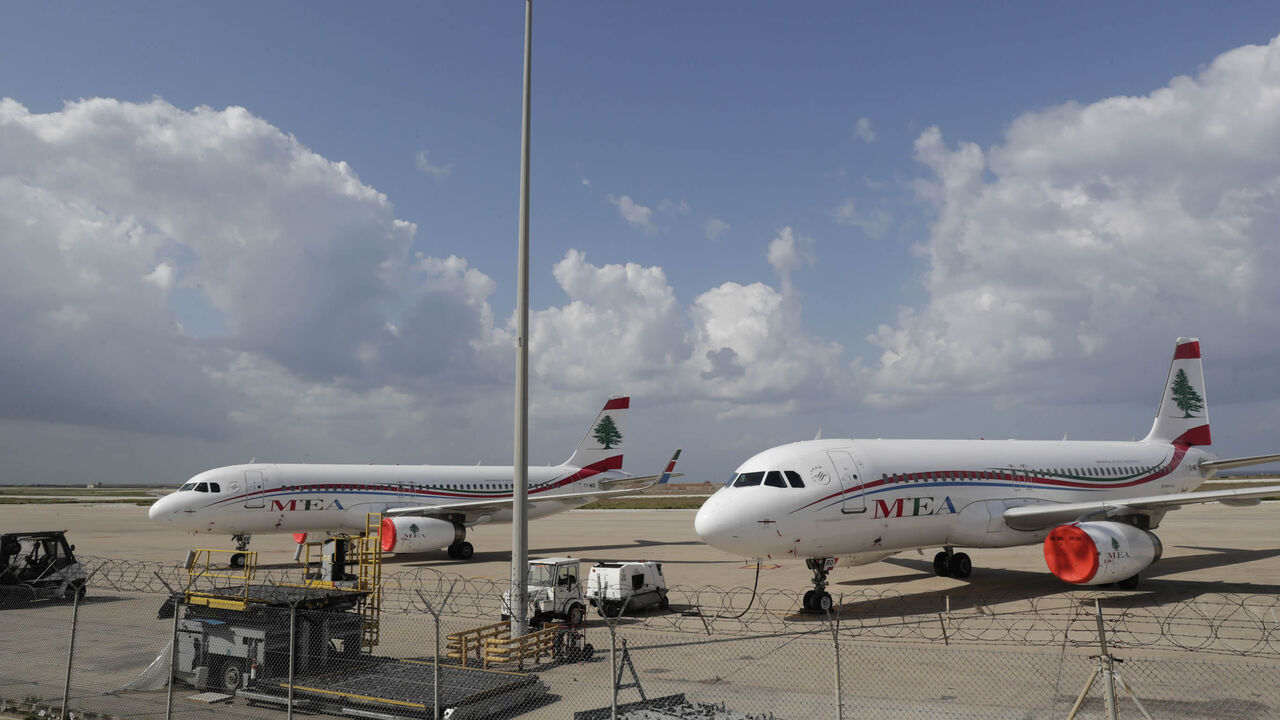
(424, 507)
(1092, 504)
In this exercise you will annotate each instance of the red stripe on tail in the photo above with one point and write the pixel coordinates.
(1194, 436)
(1187, 351)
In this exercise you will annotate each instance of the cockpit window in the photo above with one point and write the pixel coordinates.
(774, 479)
(215, 487)
(202, 487)
(747, 479)
(187, 486)
(794, 478)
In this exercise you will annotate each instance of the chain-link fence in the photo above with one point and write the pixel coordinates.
(438, 644)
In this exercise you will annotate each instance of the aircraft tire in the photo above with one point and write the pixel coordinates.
(940, 565)
(960, 566)
(1129, 583)
(461, 550)
(807, 603)
(237, 560)
(822, 602)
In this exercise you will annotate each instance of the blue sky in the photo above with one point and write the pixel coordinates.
(828, 166)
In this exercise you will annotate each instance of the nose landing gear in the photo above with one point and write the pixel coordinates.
(818, 601)
(949, 563)
(242, 544)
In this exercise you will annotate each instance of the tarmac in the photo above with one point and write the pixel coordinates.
(1209, 550)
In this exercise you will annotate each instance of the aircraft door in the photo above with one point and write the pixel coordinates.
(852, 501)
(253, 486)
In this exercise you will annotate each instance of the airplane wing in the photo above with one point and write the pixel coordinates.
(1039, 516)
(479, 508)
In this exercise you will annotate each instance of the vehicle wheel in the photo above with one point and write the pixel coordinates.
(807, 603)
(237, 560)
(960, 566)
(576, 615)
(822, 603)
(587, 651)
(940, 565)
(664, 603)
(231, 676)
(1129, 583)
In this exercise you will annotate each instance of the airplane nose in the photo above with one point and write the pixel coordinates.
(157, 511)
(716, 525)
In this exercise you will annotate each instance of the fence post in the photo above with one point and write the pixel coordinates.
(435, 663)
(615, 672)
(1108, 678)
(293, 651)
(173, 655)
(835, 643)
(71, 652)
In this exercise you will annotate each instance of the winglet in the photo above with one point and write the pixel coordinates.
(671, 466)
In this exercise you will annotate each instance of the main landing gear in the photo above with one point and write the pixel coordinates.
(461, 550)
(818, 600)
(949, 563)
(242, 544)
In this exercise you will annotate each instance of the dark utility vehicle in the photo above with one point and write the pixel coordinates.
(39, 566)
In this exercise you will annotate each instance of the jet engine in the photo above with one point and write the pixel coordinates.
(1096, 553)
(419, 534)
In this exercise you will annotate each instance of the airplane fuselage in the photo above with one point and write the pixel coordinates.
(280, 498)
(865, 499)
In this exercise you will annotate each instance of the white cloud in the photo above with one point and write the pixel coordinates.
(874, 224)
(674, 207)
(436, 169)
(864, 130)
(1094, 231)
(714, 228)
(108, 208)
(636, 215)
(741, 347)
(162, 276)
(787, 252)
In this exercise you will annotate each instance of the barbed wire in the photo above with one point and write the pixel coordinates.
(1225, 623)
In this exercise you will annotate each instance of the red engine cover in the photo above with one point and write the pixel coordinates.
(417, 534)
(1095, 553)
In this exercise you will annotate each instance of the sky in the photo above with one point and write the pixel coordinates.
(287, 231)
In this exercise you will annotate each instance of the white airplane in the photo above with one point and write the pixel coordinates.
(424, 507)
(1092, 504)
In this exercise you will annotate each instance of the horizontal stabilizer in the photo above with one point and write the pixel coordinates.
(1207, 466)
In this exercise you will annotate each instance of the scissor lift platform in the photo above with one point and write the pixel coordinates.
(274, 595)
(391, 688)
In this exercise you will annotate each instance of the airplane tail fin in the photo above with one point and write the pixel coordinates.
(601, 449)
(1183, 415)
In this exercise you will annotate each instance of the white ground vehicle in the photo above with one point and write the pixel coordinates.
(554, 592)
(636, 584)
